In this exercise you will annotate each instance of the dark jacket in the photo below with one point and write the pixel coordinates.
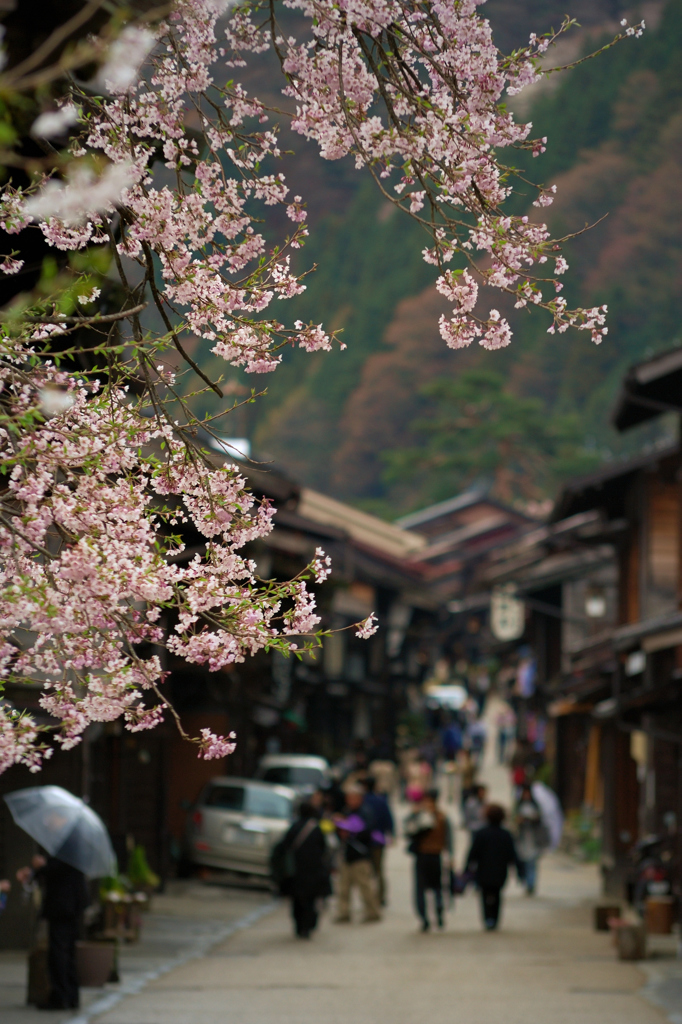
(492, 851)
(65, 891)
(311, 877)
(380, 812)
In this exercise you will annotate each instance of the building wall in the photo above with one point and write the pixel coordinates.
(572, 738)
(662, 547)
(128, 791)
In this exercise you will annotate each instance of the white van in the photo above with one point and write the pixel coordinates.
(303, 773)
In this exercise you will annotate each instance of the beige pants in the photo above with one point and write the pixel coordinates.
(360, 874)
(378, 866)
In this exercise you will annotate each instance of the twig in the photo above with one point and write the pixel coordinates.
(13, 529)
(105, 318)
(176, 341)
(53, 41)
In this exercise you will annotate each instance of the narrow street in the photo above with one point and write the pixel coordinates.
(545, 966)
(212, 954)
(297, 637)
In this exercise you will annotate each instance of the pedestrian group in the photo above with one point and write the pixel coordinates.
(346, 829)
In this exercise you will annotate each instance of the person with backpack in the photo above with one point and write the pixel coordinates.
(430, 835)
(532, 836)
(300, 865)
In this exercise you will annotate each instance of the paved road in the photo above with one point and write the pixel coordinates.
(545, 966)
(188, 919)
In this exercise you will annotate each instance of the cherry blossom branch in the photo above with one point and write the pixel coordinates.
(103, 483)
(87, 321)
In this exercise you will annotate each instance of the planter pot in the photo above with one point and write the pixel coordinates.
(95, 963)
(122, 919)
(143, 901)
(630, 941)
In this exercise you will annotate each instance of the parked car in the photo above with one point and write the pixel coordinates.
(303, 773)
(236, 822)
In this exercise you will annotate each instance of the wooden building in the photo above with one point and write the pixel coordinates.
(621, 689)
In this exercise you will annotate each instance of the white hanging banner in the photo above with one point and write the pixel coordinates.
(507, 613)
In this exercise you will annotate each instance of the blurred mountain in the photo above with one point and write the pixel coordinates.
(339, 421)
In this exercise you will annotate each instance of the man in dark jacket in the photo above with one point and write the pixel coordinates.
(65, 897)
(382, 833)
(310, 880)
(492, 851)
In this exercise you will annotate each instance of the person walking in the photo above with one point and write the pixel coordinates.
(532, 837)
(382, 833)
(65, 897)
(310, 880)
(355, 869)
(506, 722)
(430, 833)
(473, 810)
(477, 732)
(492, 851)
(451, 740)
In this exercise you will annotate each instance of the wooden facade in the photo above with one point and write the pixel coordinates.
(635, 674)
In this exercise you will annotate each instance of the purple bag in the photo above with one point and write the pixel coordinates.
(459, 883)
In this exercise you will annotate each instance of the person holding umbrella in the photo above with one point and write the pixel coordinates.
(65, 897)
(78, 847)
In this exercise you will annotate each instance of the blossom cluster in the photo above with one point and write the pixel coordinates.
(414, 90)
(216, 270)
(94, 577)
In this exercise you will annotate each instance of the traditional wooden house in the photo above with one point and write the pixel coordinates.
(620, 689)
(555, 570)
(459, 534)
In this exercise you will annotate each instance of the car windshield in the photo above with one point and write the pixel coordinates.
(266, 804)
(229, 798)
(291, 775)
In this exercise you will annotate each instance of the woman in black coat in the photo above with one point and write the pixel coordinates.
(491, 853)
(65, 897)
(310, 881)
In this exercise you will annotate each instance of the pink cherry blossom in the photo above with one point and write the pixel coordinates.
(103, 468)
(212, 746)
(368, 627)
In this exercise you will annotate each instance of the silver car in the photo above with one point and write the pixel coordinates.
(304, 773)
(236, 822)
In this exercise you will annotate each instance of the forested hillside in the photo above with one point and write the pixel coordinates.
(362, 423)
